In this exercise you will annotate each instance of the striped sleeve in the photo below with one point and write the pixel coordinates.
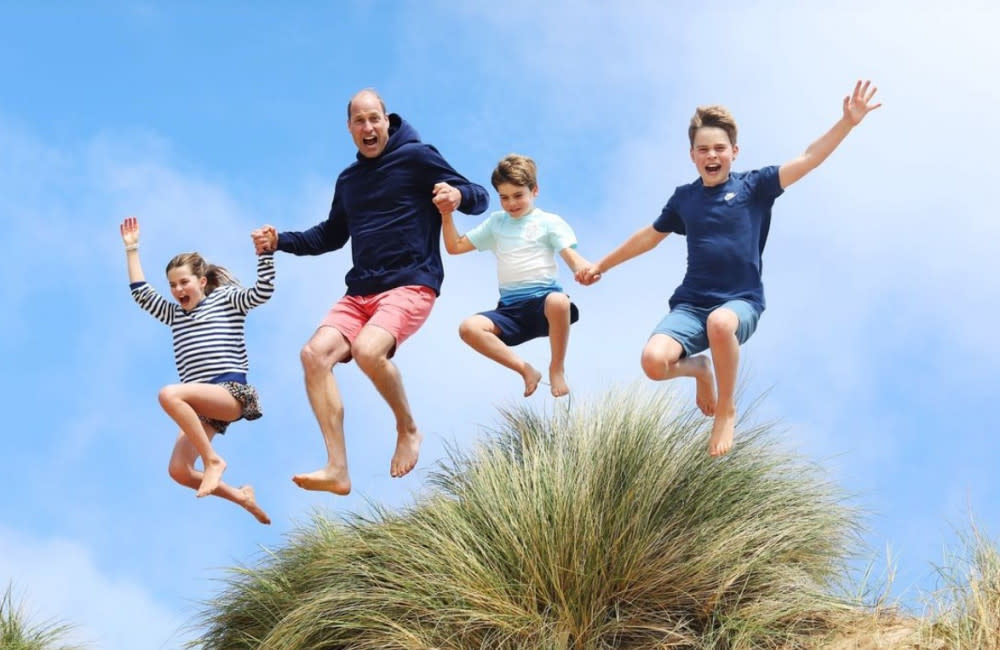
(150, 300)
(246, 299)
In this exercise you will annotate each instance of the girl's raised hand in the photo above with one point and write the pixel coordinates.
(130, 231)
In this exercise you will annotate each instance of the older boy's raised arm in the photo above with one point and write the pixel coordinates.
(856, 106)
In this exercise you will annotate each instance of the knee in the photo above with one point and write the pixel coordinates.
(313, 360)
(467, 330)
(556, 303)
(367, 357)
(721, 324)
(180, 471)
(656, 361)
(652, 364)
(168, 395)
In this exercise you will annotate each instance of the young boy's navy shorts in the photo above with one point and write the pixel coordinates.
(524, 320)
(686, 324)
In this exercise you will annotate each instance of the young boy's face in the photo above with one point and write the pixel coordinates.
(517, 200)
(713, 155)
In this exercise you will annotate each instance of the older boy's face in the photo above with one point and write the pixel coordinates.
(517, 200)
(713, 155)
(369, 125)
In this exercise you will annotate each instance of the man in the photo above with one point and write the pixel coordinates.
(388, 203)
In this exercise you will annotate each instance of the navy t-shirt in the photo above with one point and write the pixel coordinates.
(726, 228)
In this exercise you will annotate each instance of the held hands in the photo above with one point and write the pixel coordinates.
(129, 229)
(265, 239)
(446, 197)
(588, 275)
(858, 104)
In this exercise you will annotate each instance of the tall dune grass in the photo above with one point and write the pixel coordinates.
(605, 527)
(965, 612)
(17, 633)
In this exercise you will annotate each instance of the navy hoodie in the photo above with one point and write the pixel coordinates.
(383, 205)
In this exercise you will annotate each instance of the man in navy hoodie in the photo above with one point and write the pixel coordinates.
(389, 204)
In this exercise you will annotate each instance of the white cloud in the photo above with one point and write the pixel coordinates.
(58, 579)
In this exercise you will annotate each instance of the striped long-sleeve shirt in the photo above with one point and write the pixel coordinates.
(209, 340)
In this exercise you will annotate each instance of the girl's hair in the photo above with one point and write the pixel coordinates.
(216, 275)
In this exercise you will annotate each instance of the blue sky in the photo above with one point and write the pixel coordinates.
(209, 120)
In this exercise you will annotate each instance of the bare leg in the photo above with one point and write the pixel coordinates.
(371, 352)
(557, 307)
(183, 471)
(326, 348)
(184, 403)
(483, 336)
(661, 359)
(721, 327)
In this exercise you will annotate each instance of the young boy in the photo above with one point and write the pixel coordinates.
(725, 217)
(532, 304)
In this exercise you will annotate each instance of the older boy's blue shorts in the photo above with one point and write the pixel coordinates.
(686, 324)
(524, 320)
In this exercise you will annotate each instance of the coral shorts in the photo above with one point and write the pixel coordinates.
(400, 311)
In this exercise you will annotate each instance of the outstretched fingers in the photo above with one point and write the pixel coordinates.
(859, 103)
(129, 229)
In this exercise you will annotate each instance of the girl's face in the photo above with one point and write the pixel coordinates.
(186, 287)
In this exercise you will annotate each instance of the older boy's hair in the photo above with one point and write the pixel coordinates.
(715, 115)
(365, 90)
(516, 170)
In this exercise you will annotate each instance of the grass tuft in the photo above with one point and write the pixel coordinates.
(17, 633)
(607, 526)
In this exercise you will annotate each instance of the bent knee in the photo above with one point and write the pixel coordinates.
(180, 472)
(656, 360)
(556, 302)
(653, 365)
(168, 394)
(721, 323)
(368, 357)
(315, 359)
(469, 328)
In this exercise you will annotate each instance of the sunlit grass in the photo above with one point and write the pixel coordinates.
(17, 633)
(606, 527)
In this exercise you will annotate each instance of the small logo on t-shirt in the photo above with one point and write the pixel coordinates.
(729, 196)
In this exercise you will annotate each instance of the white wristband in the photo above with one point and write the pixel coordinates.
(133, 247)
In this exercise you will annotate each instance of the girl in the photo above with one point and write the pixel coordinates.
(209, 348)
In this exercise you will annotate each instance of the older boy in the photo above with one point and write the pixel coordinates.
(532, 303)
(725, 217)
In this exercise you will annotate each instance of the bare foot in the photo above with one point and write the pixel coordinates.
(328, 479)
(705, 397)
(211, 477)
(531, 379)
(407, 451)
(557, 381)
(250, 503)
(722, 434)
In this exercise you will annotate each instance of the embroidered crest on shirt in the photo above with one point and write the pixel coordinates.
(531, 231)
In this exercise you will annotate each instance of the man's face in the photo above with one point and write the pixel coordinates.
(713, 155)
(369, 125)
